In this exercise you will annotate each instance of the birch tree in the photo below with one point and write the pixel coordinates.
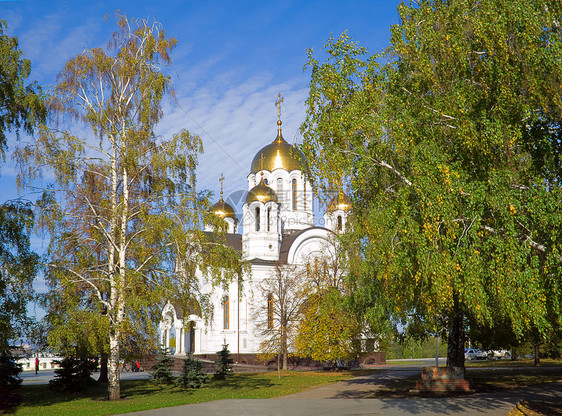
(119, 190)
(451, 151)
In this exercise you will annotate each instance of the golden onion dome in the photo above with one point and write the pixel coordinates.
(223, 210)
(277, 155)
(261, 192)
(340, 202)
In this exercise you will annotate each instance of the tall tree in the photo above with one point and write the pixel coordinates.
(113, 212)
(277, 319)
(21, 105)
(451, 150)
(329, 328)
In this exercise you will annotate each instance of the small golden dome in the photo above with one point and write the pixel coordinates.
(261, 192)
(340, 202)
(223, 210)
(276, 155)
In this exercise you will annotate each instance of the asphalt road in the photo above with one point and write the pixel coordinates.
(43, 376)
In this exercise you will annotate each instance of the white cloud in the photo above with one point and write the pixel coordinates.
(234, 122)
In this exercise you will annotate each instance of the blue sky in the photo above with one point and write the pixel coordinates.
(231, 61)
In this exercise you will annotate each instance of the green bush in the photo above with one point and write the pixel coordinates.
(411, 348)
(192, 376)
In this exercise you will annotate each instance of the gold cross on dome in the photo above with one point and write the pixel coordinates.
(278, 105)
(221, 180)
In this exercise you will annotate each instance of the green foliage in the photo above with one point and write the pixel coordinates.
(192, 376)
(412, 348)
(330, 325)
(553, 349)
(223, 364)
(18, 267)
(328, 330)
(450, 153)
(9, 373)
(21, 105)
(162, 369)
(74, 375)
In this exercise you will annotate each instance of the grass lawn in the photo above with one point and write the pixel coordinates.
(545, 362)
(142, 395)
(495, 379)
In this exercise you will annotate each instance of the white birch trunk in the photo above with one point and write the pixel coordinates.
(114, 388)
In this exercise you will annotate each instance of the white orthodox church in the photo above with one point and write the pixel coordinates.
(278, 229)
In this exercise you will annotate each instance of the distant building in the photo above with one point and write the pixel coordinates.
(46, 361)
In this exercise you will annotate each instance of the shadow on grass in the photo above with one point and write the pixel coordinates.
(41, 395)
(485, 380)
(36, 396)
(482, 381)
(9, 400)
(243, 381)
(545, 363)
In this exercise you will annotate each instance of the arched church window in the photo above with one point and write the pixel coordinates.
(268, 219)
(280, 190)
(258, 219)
(304, 193)
(340, 225)
(294, 192)
(226, 312)
(270, 311)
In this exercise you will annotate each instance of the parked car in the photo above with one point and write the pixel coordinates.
(499, 354)
(475, 354)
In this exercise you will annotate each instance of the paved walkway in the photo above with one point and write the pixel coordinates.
(357, 388)
(348, 398)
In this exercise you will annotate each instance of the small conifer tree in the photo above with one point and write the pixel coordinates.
(74, 374)
(223, 365)
(192, 375)
(9, 372)
(162, 369)
(10, 381)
